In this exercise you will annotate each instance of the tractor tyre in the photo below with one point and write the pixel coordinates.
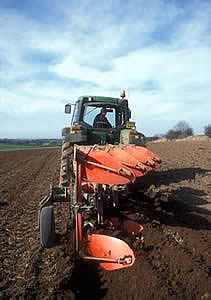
(47, 227)
(66, 164)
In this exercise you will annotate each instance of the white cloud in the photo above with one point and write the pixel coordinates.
(158, 52)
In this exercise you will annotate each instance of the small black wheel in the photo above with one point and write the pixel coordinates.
(47, 227)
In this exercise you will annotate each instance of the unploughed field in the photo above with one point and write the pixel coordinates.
(176, 214)
(8, 147)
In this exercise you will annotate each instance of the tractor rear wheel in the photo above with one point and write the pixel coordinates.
(47, 227)
(66, 164)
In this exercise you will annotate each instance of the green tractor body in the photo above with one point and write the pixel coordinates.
(83, 131)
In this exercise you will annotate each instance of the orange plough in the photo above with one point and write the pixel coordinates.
(99, 171)
(98, 174)
(115, 164)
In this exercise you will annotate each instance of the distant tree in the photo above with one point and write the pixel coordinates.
(158, 136)
(181, 126)
(189, 131)
(207, 130)
(180, 130)
(184, 128)
(173, 134)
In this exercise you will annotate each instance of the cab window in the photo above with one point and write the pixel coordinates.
(90, 113)
(76, 113)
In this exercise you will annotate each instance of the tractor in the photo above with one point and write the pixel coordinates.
(101, 154)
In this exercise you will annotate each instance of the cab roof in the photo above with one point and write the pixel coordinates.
(100, 99)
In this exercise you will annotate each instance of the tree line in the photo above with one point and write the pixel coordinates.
(32, 142)
(182, 129)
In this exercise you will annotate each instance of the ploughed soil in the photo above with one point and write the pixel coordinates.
(175, 211)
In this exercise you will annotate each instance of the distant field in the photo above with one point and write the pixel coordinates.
(10, 147)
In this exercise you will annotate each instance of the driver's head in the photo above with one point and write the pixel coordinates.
(103, 111)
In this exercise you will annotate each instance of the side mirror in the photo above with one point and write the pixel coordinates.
(67, 109)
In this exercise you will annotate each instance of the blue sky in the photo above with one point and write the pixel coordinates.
(53, 51)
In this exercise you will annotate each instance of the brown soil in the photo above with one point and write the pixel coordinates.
(175, 212)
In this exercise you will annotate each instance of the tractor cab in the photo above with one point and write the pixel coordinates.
(99, 120)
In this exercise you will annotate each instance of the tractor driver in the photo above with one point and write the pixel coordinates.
(101, 121)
